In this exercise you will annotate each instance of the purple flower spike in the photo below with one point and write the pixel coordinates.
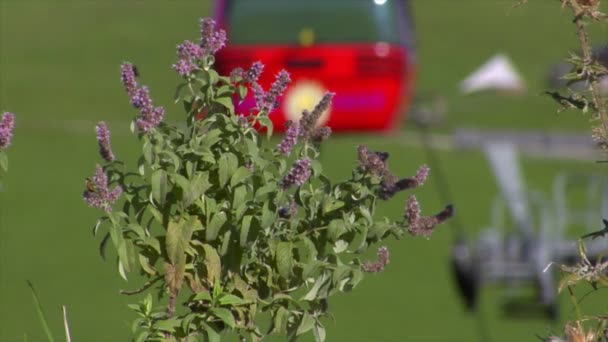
(412, 209)
(290, 139)
(189, 54)
(6, 129)
(424, 225)
(103, 138)
(421, 175)
(298, 175)
(380, 264)
(149, 116)
(270, 100)
(97, 194)
(211, 40)
(253, 74)
(128, 78)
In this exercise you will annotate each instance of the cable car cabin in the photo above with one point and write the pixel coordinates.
(360, 49)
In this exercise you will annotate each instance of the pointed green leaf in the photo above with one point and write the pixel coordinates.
(284, 258)
(306, 324)
(159, 186)
(225, 315)
(215, 225)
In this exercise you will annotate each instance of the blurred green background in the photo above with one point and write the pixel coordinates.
(59, 73)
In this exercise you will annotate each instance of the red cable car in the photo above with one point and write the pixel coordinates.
(360, 49)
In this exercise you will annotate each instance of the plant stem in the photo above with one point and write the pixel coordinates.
(172, 299)
(588, 60)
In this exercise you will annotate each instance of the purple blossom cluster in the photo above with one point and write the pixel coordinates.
(375, 163)
(103, 138)
(309, 120)
(290, 139)
(423, 225)
(149, 116)
(97, 193)
(253, 74)
(298, 175)
(378, 265)
(188, 55)
(266, 102)
(6, 129)
(212, 40)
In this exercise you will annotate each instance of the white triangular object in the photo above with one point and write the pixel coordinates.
(496, 74)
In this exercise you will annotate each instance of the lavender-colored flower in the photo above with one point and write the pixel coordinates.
(320, 134)
(258, 95)
(103, 138)
(421, 175)
(6, 129)
(309, 120)
(299, 173)
(211, 39)
(141, 99)
(128, 75)
(188, 54)
(184, 67)
(412, 209)
(378, 265)
(253, 74)
(372, 162)
(270, 100)
(290, 139)
(189, 50)
(97, 194)
(423, 225)
(236, 74)
(149, 116)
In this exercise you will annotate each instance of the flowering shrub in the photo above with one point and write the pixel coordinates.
(230, 226)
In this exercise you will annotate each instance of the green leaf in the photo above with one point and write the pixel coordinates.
(306, 250)
(159, 186)
(306, 324)
(226, 167)
(239, 175)
(211, 333)
(284, 258)
(213, 263)
(265, 122)
(279, 321)
(226, 102)
(314, 291)
(335, 229)
(266, 188)
(167, 325)
(240, 194)
(340, 246)
(242, 90)
(225, 315)
(319, 332)
(215, 225)
(245, 226)
(203, 295)
(331, 204)
(230, 299)
(145, 265)
(41, 316)
(177, 241)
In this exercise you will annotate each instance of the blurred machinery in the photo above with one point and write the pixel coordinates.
(527, 232)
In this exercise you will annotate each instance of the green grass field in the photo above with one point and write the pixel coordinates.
(59, 72)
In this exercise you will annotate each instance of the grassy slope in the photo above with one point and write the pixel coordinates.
(59, 72)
